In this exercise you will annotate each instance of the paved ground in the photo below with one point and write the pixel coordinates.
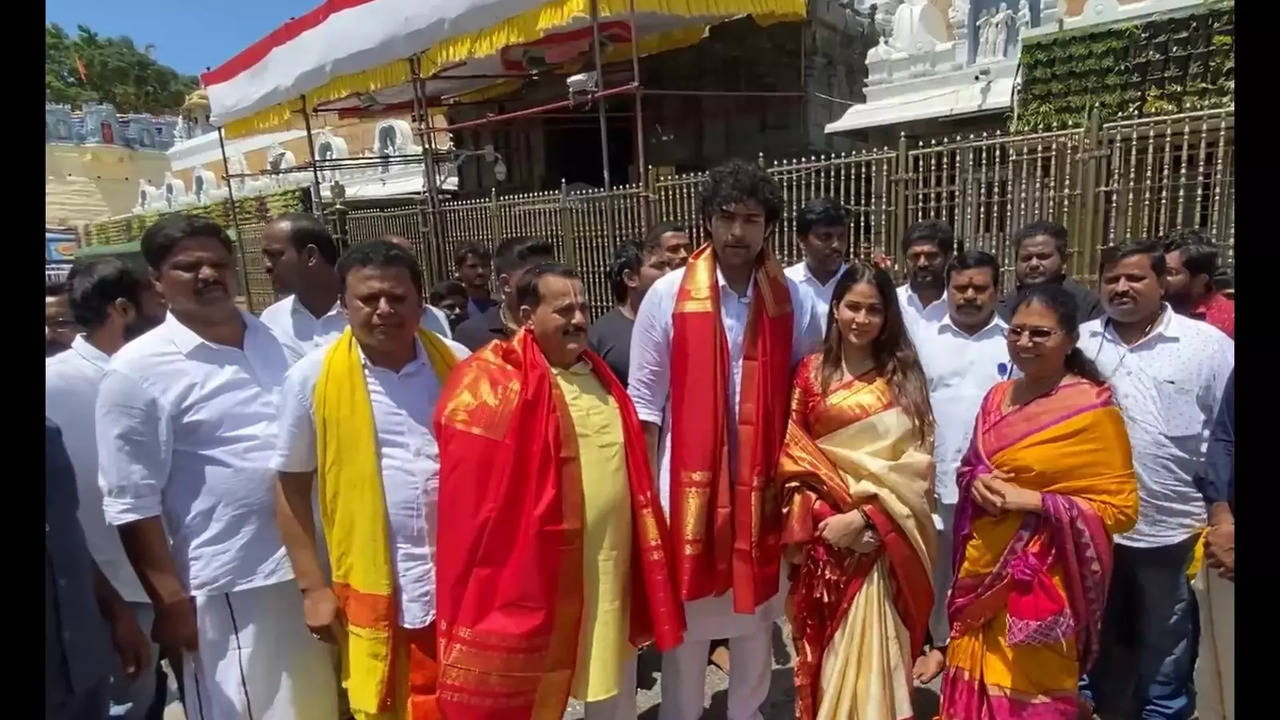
(780, 704)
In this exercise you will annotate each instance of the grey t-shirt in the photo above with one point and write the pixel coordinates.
(610, 338)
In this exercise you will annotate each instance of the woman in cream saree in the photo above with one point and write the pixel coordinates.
(856, 474)
(1047, 480)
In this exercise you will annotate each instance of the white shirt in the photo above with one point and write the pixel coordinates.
(300, 332)
(649, 386)
(917, 316)
(71, 380)
(186, 431)
(1168, 385)
(960, 369)
(819, 293)
(403, 406)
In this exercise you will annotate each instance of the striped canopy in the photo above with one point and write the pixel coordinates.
(354, 54)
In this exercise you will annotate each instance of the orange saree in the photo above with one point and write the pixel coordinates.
(509, 550)
(857, 620)
(725, 526)
(1027, 600)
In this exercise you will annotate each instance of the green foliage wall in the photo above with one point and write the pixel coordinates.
(1158, 67)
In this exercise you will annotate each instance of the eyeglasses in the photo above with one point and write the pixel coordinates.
(1039, 335)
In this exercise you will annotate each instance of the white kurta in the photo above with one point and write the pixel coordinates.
(650, 388)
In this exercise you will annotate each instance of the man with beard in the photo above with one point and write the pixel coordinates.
(822, 229)
(472, 265)
(59, 327)
(711, 360)
(963, 357)
(1041, 255)
(674, 240)
(298, 254)
(928, 245)
(1168, 373)
(635, 268)
(186, 426)
(514, 256)
(551, 543)
(114, 304)
(1189, 286)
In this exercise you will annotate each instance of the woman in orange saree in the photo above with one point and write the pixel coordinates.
(857, 483)
(1047, 481)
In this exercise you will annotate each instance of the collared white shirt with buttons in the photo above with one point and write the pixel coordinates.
(186, 431)
(71, 380)
(300, 332)
(915, 314)
(649, 386)
(1168, 385)
(960, 369)
(403, 405)
(819, 293)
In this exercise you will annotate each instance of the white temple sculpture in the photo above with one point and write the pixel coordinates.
(175, 193)
(150, 198)
(918, 27)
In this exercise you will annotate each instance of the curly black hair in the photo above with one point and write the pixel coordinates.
(738, 181)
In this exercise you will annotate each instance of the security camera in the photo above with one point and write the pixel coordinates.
(582, 83)
(982, 74)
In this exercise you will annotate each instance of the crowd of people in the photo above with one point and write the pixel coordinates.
(382, 500)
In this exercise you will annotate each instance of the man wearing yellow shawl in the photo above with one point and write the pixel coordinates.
(357, 415)
(552, 567)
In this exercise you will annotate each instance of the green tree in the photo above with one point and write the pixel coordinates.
(115, 71)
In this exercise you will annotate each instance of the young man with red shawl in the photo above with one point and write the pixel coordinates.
(711, 360)
(551, 564)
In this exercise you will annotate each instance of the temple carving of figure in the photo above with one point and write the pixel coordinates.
(917, 27)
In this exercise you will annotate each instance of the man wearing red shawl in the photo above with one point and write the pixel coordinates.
(712, 352)
(551, 564)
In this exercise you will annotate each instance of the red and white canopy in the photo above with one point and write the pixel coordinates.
(354, 53)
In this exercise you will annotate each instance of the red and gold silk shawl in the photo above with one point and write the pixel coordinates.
(725, 530)
(509, 548)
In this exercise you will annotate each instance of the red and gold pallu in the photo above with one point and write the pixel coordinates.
(725, 522)
(1027, 602)
(857, 620)
(509, 551)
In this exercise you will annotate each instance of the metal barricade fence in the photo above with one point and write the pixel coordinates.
(1104, 182)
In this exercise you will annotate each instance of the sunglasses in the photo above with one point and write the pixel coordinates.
(1037, 334)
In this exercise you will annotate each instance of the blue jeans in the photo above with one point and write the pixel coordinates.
(1148, 644)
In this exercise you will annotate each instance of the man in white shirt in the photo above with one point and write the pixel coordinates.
(186, 429)
(1168, 373)
(400, 372)
(114, 304)
(822, 230)
(927, 245)
(963, 356)
(298, 253)
(729, 280)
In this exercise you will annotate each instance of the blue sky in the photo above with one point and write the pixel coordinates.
(188, 35)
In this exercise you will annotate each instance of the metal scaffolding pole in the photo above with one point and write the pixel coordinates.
(235, 220)
(641, 170)
(604, 128)
(428, 217)
(318, 206)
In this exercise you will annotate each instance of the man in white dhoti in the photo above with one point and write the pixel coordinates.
(186, 430)
(711, 358)
(1215, 586)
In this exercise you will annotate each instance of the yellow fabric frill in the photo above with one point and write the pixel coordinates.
(522, 28)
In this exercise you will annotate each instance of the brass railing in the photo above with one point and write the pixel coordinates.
(1104, 182)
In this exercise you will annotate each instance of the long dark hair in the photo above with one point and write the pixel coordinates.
(1063, 304)
(893, 351)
